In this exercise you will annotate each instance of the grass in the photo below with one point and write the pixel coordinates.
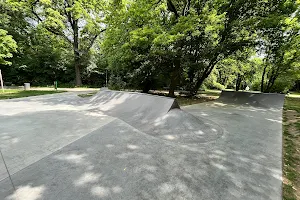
(291, 149)
(87, 95)
(183, 100)
(15, 93)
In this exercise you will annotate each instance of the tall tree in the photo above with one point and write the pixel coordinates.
(79, 22)
(282, 51)
(191, 36)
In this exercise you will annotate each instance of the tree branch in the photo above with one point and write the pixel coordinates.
(47, 28)
(172, 8)
(68, 14)
(93, 41)
(186, 8)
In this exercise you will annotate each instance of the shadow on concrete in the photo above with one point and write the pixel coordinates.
(127, 164)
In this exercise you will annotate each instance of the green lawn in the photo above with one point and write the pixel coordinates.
(15, 93)
(291, 149)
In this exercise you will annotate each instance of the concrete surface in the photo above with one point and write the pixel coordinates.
(64, 147)
(264, 100)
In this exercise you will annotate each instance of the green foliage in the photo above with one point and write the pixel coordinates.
(211, 82)
(185, 41)
(152, 44)
(116, 83)
(7, 46)
(283, 55)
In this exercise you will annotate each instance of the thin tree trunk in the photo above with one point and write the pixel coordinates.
(77, 70)
(263, 79)
(175, 74)
(205, 74)
(76, 54)
(147, 87)
(271, 82)
(198, 84)
(238, 82)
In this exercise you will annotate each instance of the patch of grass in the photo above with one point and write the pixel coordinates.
(184, 101)
(87, 95)
(291, 149)
(215, 93)
(15, 93)
(292, 103)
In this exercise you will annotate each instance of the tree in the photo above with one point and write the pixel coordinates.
(79, 22)
(191, 37)
(7, 46)
(283, 55)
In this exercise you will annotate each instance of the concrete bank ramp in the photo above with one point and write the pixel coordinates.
(264, 100)
(155, 115)
(132, 106)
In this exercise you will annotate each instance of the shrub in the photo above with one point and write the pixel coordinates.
(116, 83)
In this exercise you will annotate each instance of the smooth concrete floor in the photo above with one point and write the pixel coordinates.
(56, 148)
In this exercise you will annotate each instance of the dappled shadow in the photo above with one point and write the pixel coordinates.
(119, 162)
(26, 138)
(236, 154)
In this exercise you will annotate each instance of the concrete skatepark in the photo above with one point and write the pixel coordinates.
(120, 145)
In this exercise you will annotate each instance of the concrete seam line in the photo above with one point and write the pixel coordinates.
(12, 183)
(55, 151)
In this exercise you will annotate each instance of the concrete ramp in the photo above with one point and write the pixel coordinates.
(264, 100)
(157, 116)
(132, 107)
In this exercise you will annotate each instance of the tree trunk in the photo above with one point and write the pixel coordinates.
(198, 84)
(263, 79)
(238, 82)
(147, 87)
(271, 82)
(78, 80)
(205, 74)
(175, 74)
(172, 85)
(77, 72)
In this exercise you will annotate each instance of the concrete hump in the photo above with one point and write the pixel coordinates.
(264, 100)
(132, 106)
(157, 116)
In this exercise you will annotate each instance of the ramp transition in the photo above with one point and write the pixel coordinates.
(157, 116)
(264, 100)
(132, 106)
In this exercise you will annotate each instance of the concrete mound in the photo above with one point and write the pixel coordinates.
(132, 106)
(157, 116)
(183, 127)
(264, 100)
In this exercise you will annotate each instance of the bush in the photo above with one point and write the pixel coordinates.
(280, 85)
(211, 82)
(256, 85)
(116, 83)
